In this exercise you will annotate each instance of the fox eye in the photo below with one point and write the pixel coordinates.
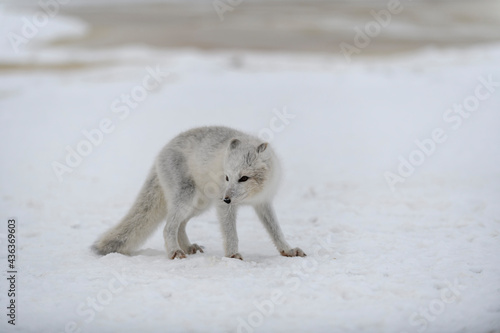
(227, 178)
(243, 179)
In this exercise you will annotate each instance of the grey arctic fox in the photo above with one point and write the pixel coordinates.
(198, 168)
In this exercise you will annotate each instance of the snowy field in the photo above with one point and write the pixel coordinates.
(391, 186)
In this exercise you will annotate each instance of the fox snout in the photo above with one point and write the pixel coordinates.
(228, 195)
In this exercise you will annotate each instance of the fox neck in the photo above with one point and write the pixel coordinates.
(271, 184)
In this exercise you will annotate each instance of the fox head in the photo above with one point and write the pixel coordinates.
(247, 168)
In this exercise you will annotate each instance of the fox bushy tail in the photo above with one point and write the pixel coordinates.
(140, 222)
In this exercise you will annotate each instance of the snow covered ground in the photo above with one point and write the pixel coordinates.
(391, 187)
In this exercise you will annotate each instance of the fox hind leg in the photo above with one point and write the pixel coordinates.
(184, 242)
(183, 198)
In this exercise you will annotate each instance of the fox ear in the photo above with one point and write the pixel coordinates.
(234, 143)
(262, 147)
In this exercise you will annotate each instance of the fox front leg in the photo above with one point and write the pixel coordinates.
(227, 219)
(266, 215)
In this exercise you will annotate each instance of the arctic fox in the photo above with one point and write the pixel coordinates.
(200, 167)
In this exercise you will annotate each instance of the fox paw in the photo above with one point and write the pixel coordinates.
(178, 254)
(236, 256)
(296, 252)
(193, 248)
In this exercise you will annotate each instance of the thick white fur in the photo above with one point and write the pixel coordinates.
(199, 168)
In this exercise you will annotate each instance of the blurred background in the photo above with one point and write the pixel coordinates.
(285, 26)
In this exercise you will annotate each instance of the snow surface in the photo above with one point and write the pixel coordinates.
(421, 258)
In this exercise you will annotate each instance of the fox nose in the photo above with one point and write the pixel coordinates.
(227, 200)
